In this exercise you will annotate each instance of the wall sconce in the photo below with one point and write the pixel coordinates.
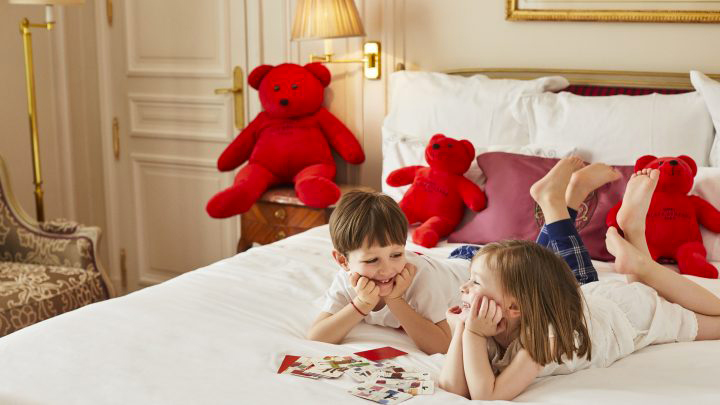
(326, 19)
(25, 27)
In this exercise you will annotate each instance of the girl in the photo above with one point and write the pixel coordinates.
(524, 314)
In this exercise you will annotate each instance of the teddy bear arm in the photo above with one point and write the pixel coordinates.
(472, 195)
(708, 216)
(340, 137)
(240, 148)
(403, 176)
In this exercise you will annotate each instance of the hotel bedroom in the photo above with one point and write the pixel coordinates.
(142, 260)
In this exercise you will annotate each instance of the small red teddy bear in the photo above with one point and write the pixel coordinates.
(439, 193)
(672, 224)
(289, 142)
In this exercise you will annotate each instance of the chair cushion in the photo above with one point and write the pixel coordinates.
(30, 293)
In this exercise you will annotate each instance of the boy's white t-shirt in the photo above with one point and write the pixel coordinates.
(435, 288)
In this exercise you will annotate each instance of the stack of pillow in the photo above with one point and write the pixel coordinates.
(520, 128)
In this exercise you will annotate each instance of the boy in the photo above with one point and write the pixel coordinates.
(382, 283)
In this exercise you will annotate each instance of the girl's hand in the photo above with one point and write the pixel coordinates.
(455, 318)
(403, 281)
(368, 293)
(484, 317)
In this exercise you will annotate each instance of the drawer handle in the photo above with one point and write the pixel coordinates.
(280, 214)
(280, 235)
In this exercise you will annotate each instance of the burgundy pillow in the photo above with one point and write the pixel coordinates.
(512, 214)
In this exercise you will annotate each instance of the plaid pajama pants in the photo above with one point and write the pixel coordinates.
(562, 238)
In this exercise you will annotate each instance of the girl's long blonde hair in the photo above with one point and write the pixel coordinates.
(547, 294)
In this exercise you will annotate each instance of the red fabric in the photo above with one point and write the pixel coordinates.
(439, 193)
(590, 90)
(674, 218)
(290, 141)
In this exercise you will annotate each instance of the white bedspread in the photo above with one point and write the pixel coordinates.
(217, 335)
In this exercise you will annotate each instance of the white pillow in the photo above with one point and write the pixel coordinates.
(400, 151)
(619, 129)
(707, 186)
(475, 108)
(710, 91)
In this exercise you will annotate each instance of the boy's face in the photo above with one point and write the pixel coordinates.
(379, 264)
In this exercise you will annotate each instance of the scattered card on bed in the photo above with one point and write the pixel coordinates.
(412, 387)
(380, 394)
(298, 366)
(365, 372)
(389, 374)
(381, 353)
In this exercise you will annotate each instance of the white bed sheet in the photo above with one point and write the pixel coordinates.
(217, 335)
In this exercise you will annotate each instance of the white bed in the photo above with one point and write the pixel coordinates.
(218, 334)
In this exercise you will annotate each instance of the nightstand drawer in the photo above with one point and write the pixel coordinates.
(286, 215)
(263, 233)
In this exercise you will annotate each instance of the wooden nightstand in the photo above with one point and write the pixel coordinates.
(279, 214)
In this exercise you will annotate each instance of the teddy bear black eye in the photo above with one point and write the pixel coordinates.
(294, 86)
(276, 88)
(661, 163)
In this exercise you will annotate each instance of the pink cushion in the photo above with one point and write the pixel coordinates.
(512, 214)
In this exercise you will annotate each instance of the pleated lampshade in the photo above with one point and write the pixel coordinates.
(320, 19)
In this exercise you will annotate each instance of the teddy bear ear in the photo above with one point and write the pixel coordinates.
(469, 147)
(437, 137)
(690, 162)
(319, 71)
(257, 75)
(643, 161)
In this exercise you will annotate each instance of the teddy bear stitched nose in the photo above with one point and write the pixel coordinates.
(673, 162)
(284, 101)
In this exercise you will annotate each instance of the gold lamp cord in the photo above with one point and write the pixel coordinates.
(25, 27)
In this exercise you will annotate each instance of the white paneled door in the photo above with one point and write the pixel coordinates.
(161, 62)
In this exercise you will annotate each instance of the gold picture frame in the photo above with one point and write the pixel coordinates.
(515, 12)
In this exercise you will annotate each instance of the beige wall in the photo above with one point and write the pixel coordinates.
(474, 33)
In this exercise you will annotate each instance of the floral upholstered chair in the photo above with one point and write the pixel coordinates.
(45, 269)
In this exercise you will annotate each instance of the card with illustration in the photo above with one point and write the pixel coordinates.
(297, 366)
(400, 375)
(412, 387)
(365, 372)
(341, 362)
(324, 371)
(380, 394)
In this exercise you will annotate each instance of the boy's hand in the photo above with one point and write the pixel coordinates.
(402, 281)
(455, 318)
(368, 293)
(484, 317)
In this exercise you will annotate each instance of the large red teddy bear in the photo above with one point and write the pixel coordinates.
(289, 142)
(672, 224)
(439, 193)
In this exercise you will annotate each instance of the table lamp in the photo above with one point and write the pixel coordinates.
(326, 19)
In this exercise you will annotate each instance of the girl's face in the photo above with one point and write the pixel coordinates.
(379, 264)
(485, 282)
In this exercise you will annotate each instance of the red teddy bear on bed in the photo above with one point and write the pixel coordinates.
(288, 142)
(672, 224)
(439, 193)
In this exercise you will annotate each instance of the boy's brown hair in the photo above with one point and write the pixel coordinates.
(367, 217)
(547, 295)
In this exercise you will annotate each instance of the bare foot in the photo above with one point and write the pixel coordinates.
(629, 260)
(586, 180)
(553, 185)
(636, 202)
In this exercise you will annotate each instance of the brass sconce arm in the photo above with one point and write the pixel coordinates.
(371, 60)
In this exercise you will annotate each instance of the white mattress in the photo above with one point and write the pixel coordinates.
(217, 335)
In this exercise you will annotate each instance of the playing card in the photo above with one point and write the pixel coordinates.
(364, 372)
(325, 372)
(380, 394)
(341, 362)
(412, 387)
(401, 375)
(381, 353)
(297, 366)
